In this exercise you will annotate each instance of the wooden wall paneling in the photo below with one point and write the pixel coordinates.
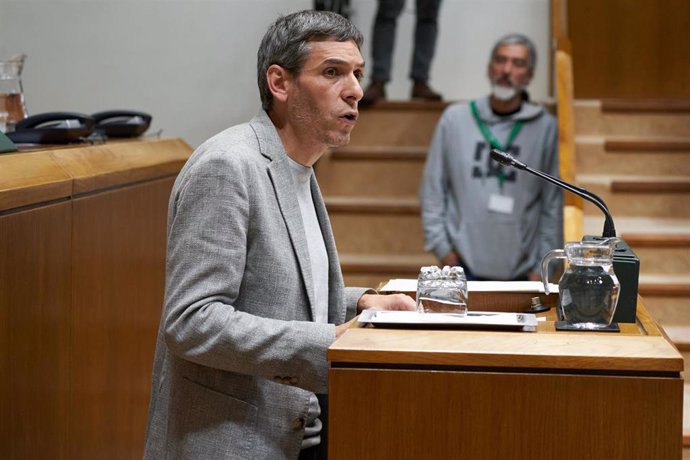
(118, 278)
(630, 48)
(415, 414)
(35, 291)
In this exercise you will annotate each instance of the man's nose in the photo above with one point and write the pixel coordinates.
(353, 89)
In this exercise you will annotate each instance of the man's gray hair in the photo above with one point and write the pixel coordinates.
(286, 43)
(518, 39)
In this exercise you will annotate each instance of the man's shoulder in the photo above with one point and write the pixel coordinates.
(229, 149)
(534, 112)
(237, 139)
(456, 110)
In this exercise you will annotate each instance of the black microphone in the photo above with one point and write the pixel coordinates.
(509, 160)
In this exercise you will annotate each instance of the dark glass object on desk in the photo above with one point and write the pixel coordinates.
(589, 288)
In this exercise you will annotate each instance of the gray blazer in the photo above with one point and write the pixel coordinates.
(238, 354)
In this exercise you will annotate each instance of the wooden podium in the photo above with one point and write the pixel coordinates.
(462, 394)
(82, 266)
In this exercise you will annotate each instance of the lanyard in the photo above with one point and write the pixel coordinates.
(491, 139)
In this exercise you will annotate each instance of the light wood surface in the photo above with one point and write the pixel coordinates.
(438, 394)
(110, 165)
(118, 277)
(27, 178)
(414, 414)
(82, 255)
(35, 290)
(634, 351)
(31, 177)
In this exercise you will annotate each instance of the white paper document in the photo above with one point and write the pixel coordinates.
(472, 320)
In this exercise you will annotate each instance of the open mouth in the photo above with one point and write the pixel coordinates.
(350, 117)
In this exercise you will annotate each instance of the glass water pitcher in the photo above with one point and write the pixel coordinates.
(12, 107)
(588, 290)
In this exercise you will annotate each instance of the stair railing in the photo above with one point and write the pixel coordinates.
(573, 216)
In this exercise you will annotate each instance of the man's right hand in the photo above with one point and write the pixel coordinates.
(452, 259)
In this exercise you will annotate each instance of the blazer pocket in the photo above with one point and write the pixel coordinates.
(207, 424)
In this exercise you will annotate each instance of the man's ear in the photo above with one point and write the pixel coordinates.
(531, 76)
(279, 81)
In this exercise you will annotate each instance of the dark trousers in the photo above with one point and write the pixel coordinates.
(472, 277)
(319, 452)
(383, 38)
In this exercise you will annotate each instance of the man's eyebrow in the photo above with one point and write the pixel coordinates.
(336, 61)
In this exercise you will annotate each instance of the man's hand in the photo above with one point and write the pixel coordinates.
(452, 259)
(340, 328)
(386, 302)
(378, 302)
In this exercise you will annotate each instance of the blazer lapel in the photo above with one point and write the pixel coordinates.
(280, 174)
(283, 185)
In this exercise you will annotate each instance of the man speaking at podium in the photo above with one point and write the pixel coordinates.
(491, 220)
(254, 293)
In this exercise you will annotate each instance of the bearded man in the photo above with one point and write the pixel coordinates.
(494, 221)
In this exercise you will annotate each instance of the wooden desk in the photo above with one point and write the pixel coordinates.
(82, 254)
(425, 394)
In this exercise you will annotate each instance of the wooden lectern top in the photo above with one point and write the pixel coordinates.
(639, 347)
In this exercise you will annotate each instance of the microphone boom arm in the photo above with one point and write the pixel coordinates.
(508, 160)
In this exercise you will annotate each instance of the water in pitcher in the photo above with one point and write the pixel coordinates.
(588, 297)
(589, 288)
(12, 107)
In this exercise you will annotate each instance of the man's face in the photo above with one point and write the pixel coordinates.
(322, 103)
(509, 70)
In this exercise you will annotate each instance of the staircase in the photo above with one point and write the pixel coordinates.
(370, 188)
(636, 156)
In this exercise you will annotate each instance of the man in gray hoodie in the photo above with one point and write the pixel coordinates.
(494, 221)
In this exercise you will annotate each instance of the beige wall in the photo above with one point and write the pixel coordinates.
(191, 63)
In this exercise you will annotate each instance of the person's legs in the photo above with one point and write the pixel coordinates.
(383, 38)
(426, 32)
(382, 45)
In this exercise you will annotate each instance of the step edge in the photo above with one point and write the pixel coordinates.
(645, 105)
(369, 206)
(657, 240)
(647, 145)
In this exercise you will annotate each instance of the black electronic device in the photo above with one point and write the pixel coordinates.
(626, 265)
(52, 128)
(122, 123)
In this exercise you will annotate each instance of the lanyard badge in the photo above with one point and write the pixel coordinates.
(491, 139)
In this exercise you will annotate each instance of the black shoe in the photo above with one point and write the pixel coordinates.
(421, 90)
(374, 93)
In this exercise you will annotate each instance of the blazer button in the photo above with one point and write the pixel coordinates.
(299, 423)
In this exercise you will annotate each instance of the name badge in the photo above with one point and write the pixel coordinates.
(501, 203)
